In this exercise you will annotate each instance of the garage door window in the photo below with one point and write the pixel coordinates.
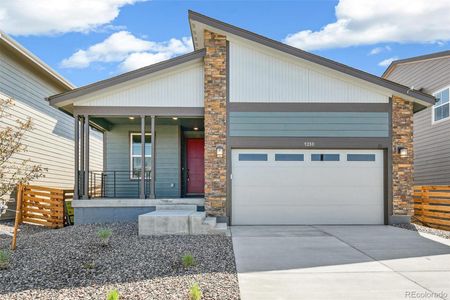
(325, 157)
(289, 157)
(252, 157)
(360, 157)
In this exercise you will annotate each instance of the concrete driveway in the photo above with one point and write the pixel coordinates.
(340, 262)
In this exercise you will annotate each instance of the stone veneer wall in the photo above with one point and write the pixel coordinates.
(402, 167)
(215, 91)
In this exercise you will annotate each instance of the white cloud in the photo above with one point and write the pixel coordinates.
(373, 21)
(46, 17)
(378, 50)
(131, 52)
(386, 62)
(142, 59)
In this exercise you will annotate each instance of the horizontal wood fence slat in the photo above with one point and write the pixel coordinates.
(432, 205)
(44, 206)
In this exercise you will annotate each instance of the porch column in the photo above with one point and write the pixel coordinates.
(86, 157)
(77, 155)
(153, 160)
(142, 193)
(81, 179)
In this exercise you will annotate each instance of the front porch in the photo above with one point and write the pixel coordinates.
(145, 157)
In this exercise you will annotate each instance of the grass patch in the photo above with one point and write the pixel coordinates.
(5, 256)
(195, 293)
(113, 295)
(188, 260)
(104, 235)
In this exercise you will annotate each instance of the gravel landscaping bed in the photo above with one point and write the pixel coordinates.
(70, 263)
(416, 227)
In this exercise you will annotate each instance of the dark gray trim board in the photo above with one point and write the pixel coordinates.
(55, 99)
(304, 143)
(386, 186)
(228, 153)
(307, 107)
(390, 193)
(309, 56)
(103, 111)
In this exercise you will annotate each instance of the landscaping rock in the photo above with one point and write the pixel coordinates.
(70, 263)
(416, 227)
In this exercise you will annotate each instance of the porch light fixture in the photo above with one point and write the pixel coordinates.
(175, 118)
(219, 151)
(131, 118)
(195, 128)
(402, 151)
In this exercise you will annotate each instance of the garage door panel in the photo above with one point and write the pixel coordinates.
(307, 192)
(304, 215)
(309, 176)
(306, 195)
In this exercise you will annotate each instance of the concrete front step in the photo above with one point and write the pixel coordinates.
(188, 207)
(181, 221)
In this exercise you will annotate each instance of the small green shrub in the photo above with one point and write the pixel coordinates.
(195, 293)
(113, 295)
(104, 234)
(89, 266)
(188, 260)
(5, 256)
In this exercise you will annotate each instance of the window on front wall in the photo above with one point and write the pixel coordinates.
(441, 108)
(135, 154)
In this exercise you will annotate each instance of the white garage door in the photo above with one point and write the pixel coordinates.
(307, 187)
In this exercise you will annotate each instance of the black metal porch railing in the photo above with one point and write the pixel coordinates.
(118, 184)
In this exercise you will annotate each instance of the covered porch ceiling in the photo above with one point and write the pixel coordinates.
(186, 123)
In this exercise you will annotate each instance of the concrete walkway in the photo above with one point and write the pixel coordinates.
(340, 262)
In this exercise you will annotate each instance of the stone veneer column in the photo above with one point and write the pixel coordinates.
(215, 90)
(402, 167)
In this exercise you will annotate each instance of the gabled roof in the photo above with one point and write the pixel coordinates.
(93, 87)
(423, 98)
(430, 56)
(34, 60)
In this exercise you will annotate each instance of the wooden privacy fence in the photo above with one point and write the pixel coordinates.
(432, 205)
(41, 206)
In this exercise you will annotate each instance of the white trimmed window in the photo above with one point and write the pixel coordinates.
(441, 108)
(135, 154)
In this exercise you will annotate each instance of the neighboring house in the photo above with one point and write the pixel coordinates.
(265, 132)
(431, 74)
(29, 81)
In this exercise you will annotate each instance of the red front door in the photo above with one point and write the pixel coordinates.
(195, 155)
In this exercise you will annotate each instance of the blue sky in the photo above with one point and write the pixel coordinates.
(146, 28)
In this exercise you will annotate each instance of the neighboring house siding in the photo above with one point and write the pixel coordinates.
(431, 150)
(167, 160)
(258, 74)
(309, 124)
(431, 75)
(51, 142)
(181, 87)
(431, 141)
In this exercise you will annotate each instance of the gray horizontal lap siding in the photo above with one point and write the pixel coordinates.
(431, 150)
(309, 124)
(52, 134)
(431, 75)
(167, 161)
